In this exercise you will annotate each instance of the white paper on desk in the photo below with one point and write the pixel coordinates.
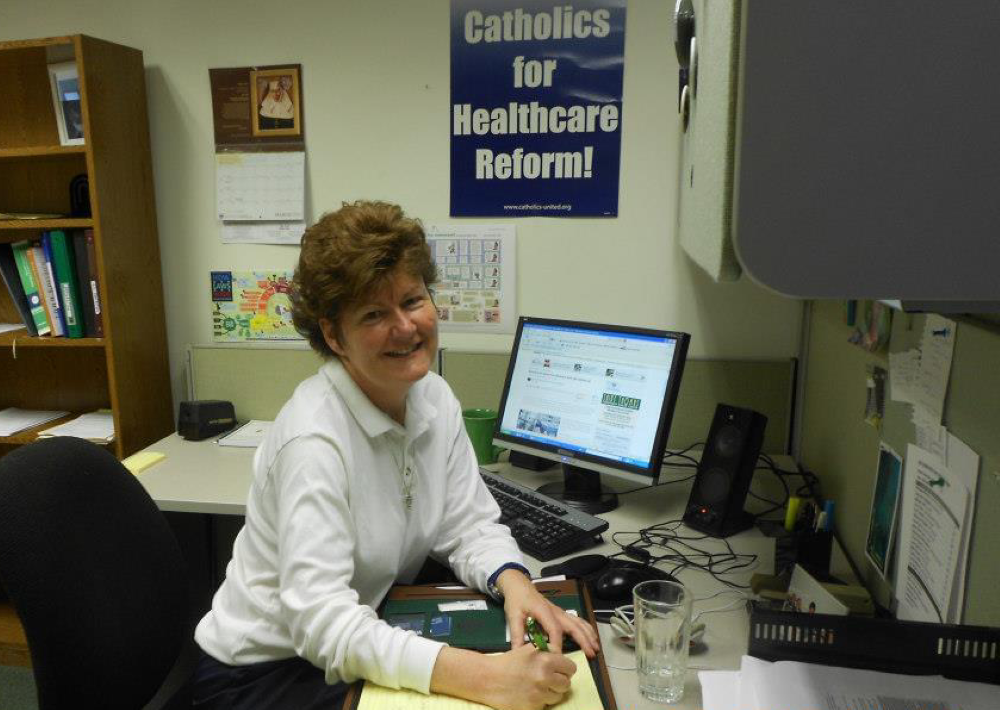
(93, 426)
(263, 232)
(964, 463)
(936, 347)
(248, 436)
(751, 677)
(260, 186)
(790, 685)
(720, 690)
(902, 375)
(931, 531)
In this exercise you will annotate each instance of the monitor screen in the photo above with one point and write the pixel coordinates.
(596, 398)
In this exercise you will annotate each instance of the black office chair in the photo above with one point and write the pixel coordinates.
(97, 578)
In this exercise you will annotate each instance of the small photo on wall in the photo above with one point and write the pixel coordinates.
(885, 504)
(275, 99)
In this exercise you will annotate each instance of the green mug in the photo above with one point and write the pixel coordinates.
(480, 423)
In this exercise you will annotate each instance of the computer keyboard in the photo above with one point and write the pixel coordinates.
(543, 527)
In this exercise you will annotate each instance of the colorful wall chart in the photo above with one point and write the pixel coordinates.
(252, 305)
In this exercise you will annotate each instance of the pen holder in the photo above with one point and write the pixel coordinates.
(810, 549)
(813, 552)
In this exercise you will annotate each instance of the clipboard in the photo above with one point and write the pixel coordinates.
(485, 630)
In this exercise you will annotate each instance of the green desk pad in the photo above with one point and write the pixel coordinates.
(481, 630)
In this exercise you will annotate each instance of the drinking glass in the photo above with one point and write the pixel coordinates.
(662, 634)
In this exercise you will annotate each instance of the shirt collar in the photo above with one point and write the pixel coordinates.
(375, 422)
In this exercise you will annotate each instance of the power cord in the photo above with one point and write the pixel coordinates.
(681, 551)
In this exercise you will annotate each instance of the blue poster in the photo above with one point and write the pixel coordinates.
(536, 107)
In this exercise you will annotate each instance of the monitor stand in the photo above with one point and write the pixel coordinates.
(581, 488)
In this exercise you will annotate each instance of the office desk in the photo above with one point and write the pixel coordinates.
(202, 477)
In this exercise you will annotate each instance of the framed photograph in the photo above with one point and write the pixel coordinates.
(885, 503)
(275, 101)
(66, 101)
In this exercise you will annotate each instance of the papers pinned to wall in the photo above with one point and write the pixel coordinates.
(476, 276)
(935, 523)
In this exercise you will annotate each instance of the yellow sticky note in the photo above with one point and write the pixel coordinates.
(137, 463)
(582, 695)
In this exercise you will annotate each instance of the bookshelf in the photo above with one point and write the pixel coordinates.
(127, 369)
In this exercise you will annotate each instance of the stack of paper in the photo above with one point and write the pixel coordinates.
(760, 685)
(583, 695)
(98, 427)
(13, 420)
(249, 436)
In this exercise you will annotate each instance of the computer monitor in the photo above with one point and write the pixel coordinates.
(596, 398)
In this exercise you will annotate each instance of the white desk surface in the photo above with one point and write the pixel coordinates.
(203, 477)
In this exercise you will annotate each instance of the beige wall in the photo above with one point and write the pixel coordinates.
(376, 87)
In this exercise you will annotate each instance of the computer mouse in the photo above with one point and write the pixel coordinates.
(615, 585)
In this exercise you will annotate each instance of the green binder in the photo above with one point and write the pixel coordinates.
(30, 288)
(65, 273)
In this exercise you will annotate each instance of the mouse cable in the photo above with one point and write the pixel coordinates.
(681, 552)
(683, 454)
(655, 485)
(810, 481)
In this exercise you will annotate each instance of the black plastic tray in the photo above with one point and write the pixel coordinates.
(959, 652)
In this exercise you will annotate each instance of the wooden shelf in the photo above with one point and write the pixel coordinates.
(64, 223)
(42, 151)
(13, 643)
(131, 374)
(23, 340)
(29, 435)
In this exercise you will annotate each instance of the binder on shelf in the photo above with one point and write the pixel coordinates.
(64, 271)
(50, 275)
(41, 321)
(8, 271)
(90, 290)
(47, 291)
(82, 271)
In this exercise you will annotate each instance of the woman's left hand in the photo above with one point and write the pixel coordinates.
(522, 600)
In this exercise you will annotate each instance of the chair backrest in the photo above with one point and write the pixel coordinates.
(94, 572)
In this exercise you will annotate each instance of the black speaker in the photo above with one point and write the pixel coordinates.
(724, 473)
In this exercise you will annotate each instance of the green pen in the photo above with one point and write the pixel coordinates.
(538, 638)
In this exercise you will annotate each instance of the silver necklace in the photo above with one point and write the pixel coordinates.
(406, 473)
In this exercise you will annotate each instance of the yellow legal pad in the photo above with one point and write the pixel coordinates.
(137, 463)
(581, 696)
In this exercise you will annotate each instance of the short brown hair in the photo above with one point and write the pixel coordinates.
(347, 256)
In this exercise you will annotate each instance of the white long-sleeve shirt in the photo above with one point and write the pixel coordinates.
(327, 532)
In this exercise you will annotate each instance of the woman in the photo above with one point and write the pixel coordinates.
(365, 473)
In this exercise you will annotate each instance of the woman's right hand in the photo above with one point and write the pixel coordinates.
(522, 679)
(528, 679)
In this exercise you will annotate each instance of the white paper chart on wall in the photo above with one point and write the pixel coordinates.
(476, 276)
(260, 186)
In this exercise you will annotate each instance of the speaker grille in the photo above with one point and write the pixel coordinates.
(729, 441)
(714, 486)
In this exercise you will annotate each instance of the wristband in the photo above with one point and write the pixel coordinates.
(491, 584)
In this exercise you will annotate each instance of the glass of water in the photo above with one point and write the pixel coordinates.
(662, 634)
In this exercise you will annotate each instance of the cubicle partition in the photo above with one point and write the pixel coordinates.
(842, 449)
(259, 378)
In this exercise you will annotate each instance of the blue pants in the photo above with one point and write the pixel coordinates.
(292, 683)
